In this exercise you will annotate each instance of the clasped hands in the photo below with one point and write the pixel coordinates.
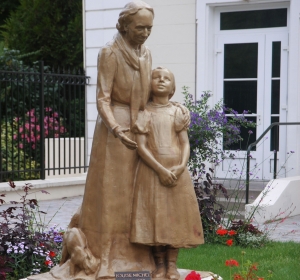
(168, 177)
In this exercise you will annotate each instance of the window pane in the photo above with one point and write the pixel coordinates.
(275, 97)
(240, 60)
(240, 95)
(276, 49)
(253, 19)
(248, 138)
(272, 140)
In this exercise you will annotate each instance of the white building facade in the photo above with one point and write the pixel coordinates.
(245, 52)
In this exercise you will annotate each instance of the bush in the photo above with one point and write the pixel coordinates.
(210, 133)
(13, 158)
(26, 246)
(54, 28)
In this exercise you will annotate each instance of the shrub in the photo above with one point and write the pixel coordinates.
(26, 245)
(54, 28)
(210, 133)
(13, 158)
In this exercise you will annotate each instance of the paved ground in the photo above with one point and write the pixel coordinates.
(60, 211)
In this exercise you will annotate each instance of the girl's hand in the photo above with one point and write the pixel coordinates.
(167, 178)
(177, 170)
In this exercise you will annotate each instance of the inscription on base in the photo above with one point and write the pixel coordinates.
(133, 275)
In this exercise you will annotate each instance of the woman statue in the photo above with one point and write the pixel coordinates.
(97, 242)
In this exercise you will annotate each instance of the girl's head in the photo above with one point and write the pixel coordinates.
(162, 82)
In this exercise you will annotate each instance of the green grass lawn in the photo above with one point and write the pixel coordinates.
(283, 258)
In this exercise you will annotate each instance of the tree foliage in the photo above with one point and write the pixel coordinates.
(6, 7)
(51, 27)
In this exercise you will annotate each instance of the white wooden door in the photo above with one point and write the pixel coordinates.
(252, 76)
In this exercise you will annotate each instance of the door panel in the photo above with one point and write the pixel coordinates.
(276, 57)
(239, 83)
(252, 76)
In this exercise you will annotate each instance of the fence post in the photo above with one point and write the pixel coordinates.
(42, 128)
(276, 148)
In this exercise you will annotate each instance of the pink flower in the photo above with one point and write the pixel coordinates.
(30, 113)
(21, 146)
(33, 119)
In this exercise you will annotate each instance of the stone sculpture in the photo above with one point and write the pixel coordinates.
(97, 242)
(165, 211)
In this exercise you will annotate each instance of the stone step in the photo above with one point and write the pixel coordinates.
(240, 194)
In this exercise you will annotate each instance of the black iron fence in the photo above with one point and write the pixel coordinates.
(42, 123)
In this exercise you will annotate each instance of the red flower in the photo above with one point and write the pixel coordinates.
(222, 231)
(193, 276)
(229, 242)
(237, 277)
(231, 262)
(51, 254)
(232, 232)
(48, 263)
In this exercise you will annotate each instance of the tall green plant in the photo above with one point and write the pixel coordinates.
(53, 27)
(14, 158)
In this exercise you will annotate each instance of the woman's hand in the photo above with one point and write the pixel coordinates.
(120, 133)
(185, 112)
(177, 170)
(167, 178)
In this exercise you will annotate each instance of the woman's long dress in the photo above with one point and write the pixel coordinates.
(123, 83)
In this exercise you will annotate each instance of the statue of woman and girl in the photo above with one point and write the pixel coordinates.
(139, 205)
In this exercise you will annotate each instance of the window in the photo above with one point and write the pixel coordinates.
(253, 19)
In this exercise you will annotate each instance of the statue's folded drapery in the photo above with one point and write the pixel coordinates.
(122, 85)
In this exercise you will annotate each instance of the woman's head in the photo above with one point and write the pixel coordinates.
(130, 9)
(135, 22)
(163, 82)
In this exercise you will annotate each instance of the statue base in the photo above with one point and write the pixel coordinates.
(205, 275)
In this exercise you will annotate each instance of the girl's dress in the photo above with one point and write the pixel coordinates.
(164, 215)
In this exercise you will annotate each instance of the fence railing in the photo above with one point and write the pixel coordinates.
(276, 148)
(42, 116)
